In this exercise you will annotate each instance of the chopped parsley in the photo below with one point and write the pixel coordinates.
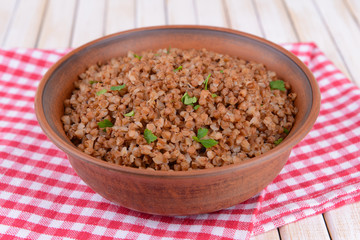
(92, 82)
(102, 91)
(214, 95)
(105, 123)
(149, 136)
(168, 50)
(278, 84)
(222, 71)
(206, 81)
(202, 132)
(286, 131)
(277, 142)
(129, 114)
(137, 56)
(196, 107)
(179, 68)
(196, 139)
(187, 100)
(117, 88)
(207, 143)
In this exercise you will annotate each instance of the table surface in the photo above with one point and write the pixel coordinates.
(334, 25)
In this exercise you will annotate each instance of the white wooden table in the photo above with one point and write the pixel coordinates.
(334, 25)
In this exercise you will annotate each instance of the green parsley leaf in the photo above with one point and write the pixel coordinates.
(286, 131)
(102, 91)
(190, 101)
(149, 136)
(187, 100)
(202, 132)
(196, 139)
(222, 71)
(137, 56)
(206, 81)
(208, 143)
(105, 123)
(129, 114)
(157, 54)
(277, 142)
(196, 107)
(92, 82)
(179, 68)
(117, 88)
(184, 96)
(278, 84)
(168, 50)
(214, 95)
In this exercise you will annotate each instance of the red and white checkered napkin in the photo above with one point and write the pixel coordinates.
(42, 197)
(323, 171)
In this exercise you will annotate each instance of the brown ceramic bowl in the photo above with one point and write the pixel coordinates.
(177, 193)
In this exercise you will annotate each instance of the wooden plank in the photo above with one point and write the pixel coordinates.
(275, 21)
(243, 16)
(89, 21)
(312, 29)
(150, 13)
(57, 26)
(344, 222)
(354, 8)
(309, 228)
(181, 12)
(120, 16)
(270, 235)
(6, 12)
(211, 12)
(26, 23)
(345, 32)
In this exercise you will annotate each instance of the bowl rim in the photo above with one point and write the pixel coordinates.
(285, 146)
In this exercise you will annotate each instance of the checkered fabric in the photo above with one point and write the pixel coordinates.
(41, 196)
(323, 171)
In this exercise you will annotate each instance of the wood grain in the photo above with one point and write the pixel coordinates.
(336, 16)
(354, 8)
(26, 24)
(181, 12)
(312, 29)
(344, 222)
(311, 228)
(243, 16)
(120, 15)
(157, 10)
(57, 25)
(270, 235)
(89, 22)
(211, 12)
(276, 23)
(6, 13)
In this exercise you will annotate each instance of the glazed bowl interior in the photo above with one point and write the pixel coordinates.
(182, 192)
